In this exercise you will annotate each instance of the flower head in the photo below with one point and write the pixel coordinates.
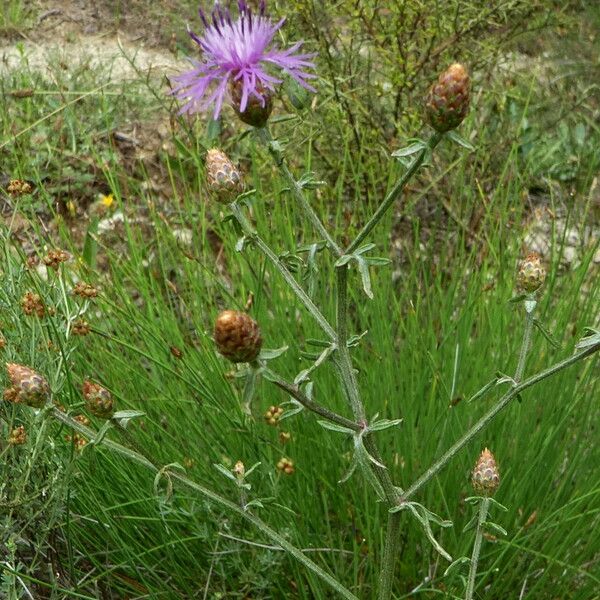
(485, 477)
(238, 53)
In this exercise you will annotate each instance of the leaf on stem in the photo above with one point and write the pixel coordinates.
(424, 516)
(413, 148)
(546, 333)
(122, 417)
(457, 139)
(271, 353)
(590, 338)
(494, 527)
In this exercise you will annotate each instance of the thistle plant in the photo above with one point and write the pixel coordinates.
(241, 65)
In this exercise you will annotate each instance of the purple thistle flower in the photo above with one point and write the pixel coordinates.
(238, 53)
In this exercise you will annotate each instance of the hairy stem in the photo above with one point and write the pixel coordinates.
(394, 193)
(216, 498)
(483, 511)
(295, 391)
(249, 230)
(491, 414)
(390, 554)
(296, 189)
(525, 345)
(348, 379)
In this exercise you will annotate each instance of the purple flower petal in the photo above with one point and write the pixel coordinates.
(238, 50)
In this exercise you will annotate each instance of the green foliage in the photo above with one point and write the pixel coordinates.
(438, 327)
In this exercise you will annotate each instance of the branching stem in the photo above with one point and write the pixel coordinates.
(395, 192)
(297, 191)
(489, 416)
(211, 495)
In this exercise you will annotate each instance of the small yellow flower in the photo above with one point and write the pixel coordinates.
(71, 208)
(107, 201)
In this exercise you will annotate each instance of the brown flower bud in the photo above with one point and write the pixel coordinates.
(257, 111)
(55, 257)
(28, 386)
(223, 178)
(82, 419)
(98, 400)
(284, 437)
(32, 304)
(84, 290)
(485, 477)
(77, 440)
(80, 327)
(18, 436)
(285, 465)
(532, 274)
(237, 336)
(18, 187)
(447, 103)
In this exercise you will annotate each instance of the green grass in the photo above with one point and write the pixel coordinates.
(437, 331)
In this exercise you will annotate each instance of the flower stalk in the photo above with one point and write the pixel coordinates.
(185, 481)
(395, 192)
(483, 511)
(296, 190)
(491, 414)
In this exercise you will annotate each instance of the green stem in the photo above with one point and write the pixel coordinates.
(416, 162)
(249, 230)
(216, 498)
(294, 391)
(348, 378)
(344, 361)
(279, 159)
(489, 416)
(483, 511)
(390, 554)
(525, 345)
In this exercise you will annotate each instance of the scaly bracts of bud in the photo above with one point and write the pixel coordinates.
(531, 274)
(486, 477)
(237, 336)
(28, 386)
(222, 176)
(98, 400)
(448, 100)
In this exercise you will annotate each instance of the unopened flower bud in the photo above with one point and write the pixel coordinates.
(223, 178)
(28, 386)
(258, 107)
(84, 290)
(285, 465)
(284, 437)
(447, 103)
(18, 436)
(54, 257)
(32, 304)
(239, 470)
(80, 327)
(273, 415)
(532, 273)
(18, 187)
(98, 400)
(237, 336)
(485, 477)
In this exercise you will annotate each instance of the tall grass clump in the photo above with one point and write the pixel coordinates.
(249, 403)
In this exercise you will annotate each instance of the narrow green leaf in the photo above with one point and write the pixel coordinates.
(457, 139)
(409, 150)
